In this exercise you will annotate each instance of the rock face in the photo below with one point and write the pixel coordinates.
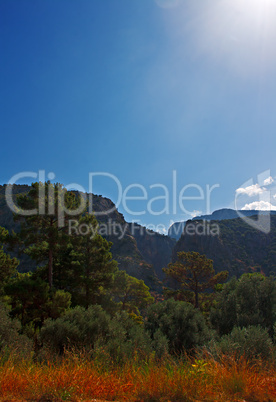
(176, 228)
(155, 248)
(140, 252)
(237, 247)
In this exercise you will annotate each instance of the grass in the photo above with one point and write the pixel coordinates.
(75, 378)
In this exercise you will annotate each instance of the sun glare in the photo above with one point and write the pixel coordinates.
(239, 32)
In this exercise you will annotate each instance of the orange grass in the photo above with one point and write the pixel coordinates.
(78, 379)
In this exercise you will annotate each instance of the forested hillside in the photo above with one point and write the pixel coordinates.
(238, 248)
(140, 252)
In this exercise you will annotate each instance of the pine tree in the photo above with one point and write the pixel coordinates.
(92, 265)
(194, 272)
(131, 293)
(32, 301)
(44, 231)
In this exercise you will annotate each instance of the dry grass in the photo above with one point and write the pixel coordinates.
(78, 379)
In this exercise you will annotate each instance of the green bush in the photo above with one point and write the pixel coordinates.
(176, 326)
(94, 331)
(78, 328)
(248, 301)
(252, 342)
(124, 340)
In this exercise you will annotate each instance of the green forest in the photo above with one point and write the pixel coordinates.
(79, 301)
(77, 297)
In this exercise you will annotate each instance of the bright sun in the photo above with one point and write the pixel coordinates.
(239, 32)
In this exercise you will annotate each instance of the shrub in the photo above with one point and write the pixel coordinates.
(124, 340)
(176, 325)
(252, 342)
(78, 328)
(96, 332)
(10, 338)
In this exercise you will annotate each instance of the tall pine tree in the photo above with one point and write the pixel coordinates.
(62, 238)
(93, 267)
(44, 231)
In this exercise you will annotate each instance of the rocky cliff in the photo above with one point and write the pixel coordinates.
(155, 248)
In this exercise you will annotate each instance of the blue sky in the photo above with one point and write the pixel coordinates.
(140, 89)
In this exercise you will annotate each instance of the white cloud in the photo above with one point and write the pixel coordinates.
(255, 189)
(195, 213)
(260, 205)
(268, 181)
(274, 196)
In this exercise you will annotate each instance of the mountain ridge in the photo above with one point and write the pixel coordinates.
(235, 247)
(176, 229)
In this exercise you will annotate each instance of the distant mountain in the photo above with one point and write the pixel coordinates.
(237, 247)
(176, 228)
(139, 251)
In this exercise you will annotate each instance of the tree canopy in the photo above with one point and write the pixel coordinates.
(249, 300)
(7, 263)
